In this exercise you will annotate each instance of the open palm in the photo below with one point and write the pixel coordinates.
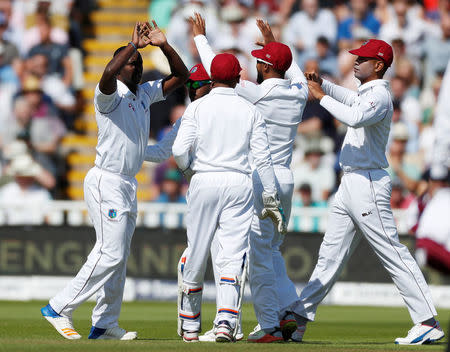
(155, 36)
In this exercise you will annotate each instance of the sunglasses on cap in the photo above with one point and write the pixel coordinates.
(196, 84)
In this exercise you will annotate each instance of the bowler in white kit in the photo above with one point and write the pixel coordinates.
(123, 118)
(361, 206)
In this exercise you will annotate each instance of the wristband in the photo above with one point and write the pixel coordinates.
(134, 46)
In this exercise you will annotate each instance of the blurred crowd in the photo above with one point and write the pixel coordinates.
(41, 77)
(320, 33)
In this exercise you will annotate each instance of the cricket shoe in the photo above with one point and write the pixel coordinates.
(260, 336)
(62, 324)
(421, 334)
(210, 336)
(115, 333)
(190, 336)
(224, 332)
(297, 335)
(288, 325)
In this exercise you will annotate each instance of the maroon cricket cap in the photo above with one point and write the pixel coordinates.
(377, 49)
(276, 54)
(225, 67)
(198, 73)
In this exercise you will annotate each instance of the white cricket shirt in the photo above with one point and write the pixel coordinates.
(368, 114)
(218, 132)
(123, 121)
(280, 101)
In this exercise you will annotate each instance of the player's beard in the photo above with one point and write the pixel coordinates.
(260, 77)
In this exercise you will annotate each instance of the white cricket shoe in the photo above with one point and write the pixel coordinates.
(421, 334)
(62, 324)
(190, 336)
(224, 332)
(210, 336)
(115, 333)
(297, 335)
(256, 329)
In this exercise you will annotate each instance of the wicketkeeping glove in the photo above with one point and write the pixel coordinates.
(273, 210)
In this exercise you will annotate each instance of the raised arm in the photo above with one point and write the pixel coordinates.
(184, 140)
(204, 49)
(108, 84)
(178, 71)
(294, 73)
(162, 150)
(259, 146)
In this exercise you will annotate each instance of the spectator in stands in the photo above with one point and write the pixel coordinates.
(406, 24)
(407, 109)
(319, 175)
(57, 54)
(23, 201)
(171, 188)
(307, 26)
(159, 175)
(54, 87)
(398, 198)
(433, 232)
(16, 149)
(360, 20)
(33, 36)
(303, 198)
(9, 54)
(405, 69)
(400, 168)
(437, 51)
(46, 129)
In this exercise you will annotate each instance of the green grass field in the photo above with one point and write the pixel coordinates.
(336, 329)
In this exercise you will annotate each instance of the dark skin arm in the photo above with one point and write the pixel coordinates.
(108, 84)
(179, 73)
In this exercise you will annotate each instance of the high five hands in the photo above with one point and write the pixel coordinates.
(145, 34)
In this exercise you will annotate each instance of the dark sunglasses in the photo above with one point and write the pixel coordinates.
(196, 84)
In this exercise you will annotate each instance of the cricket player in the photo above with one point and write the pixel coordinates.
(198, 84)
(361, 207)
(280, 97)
(215, 138)
(123, 119)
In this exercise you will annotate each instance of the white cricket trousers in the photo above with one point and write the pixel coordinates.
(272, 290)
(112, 206)
(220, 205)
(361, 208)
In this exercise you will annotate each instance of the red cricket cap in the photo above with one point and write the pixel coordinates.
(225, 67)
(377, 49)
(198, 73)
(276, 54)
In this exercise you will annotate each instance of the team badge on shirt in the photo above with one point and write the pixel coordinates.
(112, 213)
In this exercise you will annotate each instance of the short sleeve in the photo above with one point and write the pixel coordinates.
(154, 90)
(106, 103)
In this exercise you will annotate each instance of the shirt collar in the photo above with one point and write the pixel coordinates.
(223, 90)
(123, 90)
(375, 82)
(275, 82)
